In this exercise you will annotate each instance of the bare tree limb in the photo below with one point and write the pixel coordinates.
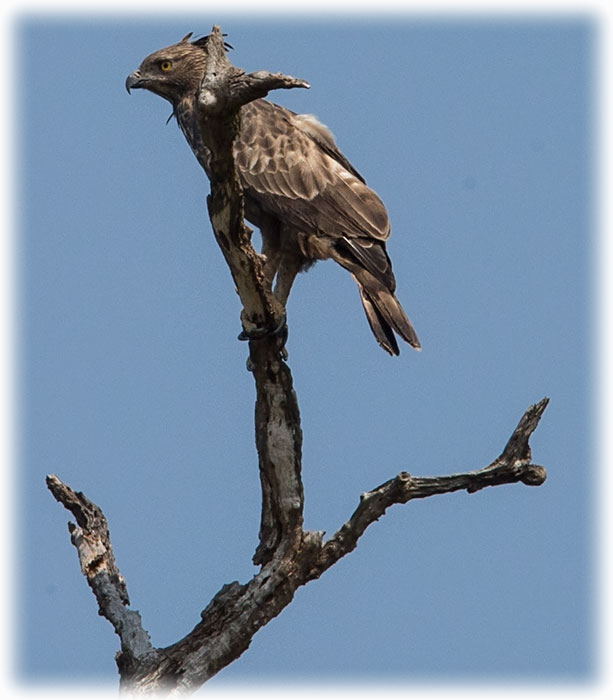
(223, 91)
(92, 540)
(511, 466)
(289, 557)
(226, 88)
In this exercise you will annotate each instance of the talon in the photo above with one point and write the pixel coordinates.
(257, 332)
(282, 326)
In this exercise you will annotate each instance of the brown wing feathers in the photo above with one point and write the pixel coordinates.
(291, 163)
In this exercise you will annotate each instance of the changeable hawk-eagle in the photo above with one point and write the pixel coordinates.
(306, 198)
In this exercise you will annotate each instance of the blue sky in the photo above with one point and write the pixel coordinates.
(478, 136)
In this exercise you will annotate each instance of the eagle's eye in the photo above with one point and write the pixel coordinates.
(165, 66)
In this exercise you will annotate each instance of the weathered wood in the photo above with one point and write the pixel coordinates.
(223, 91)
(512, 466)
(92, 540)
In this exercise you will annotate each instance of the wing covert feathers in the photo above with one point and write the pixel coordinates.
(291, 164)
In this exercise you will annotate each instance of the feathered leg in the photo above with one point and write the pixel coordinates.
(271, 248)
(272, 255)
(286, 274)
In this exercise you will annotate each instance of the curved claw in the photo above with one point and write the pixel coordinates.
(262, 331)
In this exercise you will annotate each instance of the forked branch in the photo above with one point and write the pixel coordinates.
(511, 466)
(92, 540)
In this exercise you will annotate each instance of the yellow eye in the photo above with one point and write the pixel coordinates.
(165, 66)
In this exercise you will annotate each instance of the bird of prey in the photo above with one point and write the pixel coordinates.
(306, 198)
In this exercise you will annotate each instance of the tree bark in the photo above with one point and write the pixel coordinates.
(288, 556)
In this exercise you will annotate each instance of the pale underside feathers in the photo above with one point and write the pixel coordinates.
(309, 202)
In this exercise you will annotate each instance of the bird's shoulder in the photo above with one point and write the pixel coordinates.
(281, 154)
(277, 153)
(266, 125)
(273, 139)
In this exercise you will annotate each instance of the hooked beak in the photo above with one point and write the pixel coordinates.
(133, 81)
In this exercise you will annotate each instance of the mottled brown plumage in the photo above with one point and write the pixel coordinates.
(306, 198)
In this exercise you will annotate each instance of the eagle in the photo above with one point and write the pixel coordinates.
(305, 197)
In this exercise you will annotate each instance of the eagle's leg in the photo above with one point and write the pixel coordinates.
(287, 269)
(271, 258)
(271, 249)
(286, 274)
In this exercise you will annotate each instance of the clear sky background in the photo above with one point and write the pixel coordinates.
(478, 136)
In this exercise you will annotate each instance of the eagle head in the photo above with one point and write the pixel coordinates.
(172, 73)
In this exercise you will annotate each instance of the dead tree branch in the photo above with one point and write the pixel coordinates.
(288, 556)
(511, 466)
(223, 91)
(92, 540)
